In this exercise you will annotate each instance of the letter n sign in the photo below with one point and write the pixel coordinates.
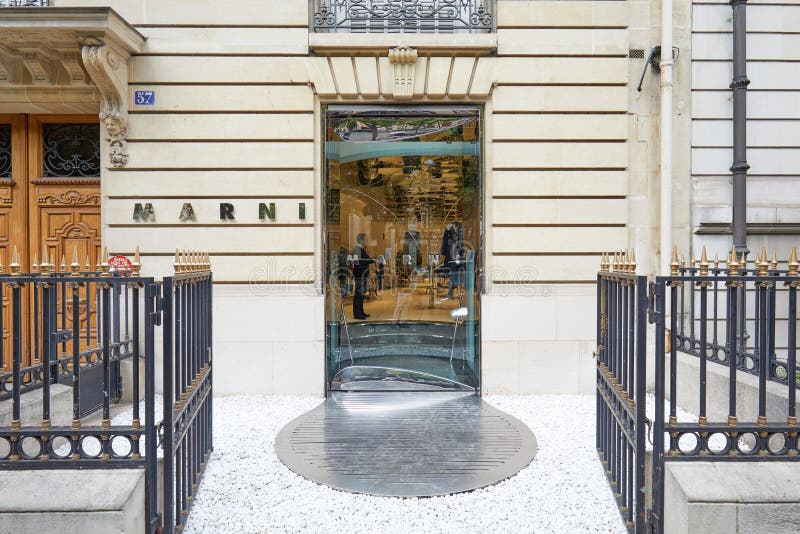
(265, 211)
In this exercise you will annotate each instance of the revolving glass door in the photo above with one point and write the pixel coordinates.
(402, 237)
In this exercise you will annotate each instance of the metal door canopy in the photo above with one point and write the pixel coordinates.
(406, 444)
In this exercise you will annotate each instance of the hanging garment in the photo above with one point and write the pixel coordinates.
(412, 248)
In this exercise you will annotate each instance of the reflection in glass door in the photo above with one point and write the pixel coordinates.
(402, 236)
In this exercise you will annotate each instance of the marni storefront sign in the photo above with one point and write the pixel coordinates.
(267, 211)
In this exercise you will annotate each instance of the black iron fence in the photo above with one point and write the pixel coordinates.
(621, 387)
(743, 318)
(703, 316)
(76, 326)
(403, 16)
(187, 426)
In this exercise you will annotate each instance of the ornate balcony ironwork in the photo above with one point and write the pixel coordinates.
(403, 16)
(24, 3)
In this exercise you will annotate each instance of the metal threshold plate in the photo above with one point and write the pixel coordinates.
(406, 444)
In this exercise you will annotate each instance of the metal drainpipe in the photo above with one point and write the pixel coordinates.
(739, 87)
(667, 61)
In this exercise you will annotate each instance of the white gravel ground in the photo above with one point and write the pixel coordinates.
(247, 489)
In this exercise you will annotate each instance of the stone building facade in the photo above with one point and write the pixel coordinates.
(215, 104)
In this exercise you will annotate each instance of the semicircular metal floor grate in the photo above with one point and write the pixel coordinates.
(406, 444)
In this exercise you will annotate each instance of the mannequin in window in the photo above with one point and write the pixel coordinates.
(379, 272)
(452, 252)
(360, 274)
(411, 247)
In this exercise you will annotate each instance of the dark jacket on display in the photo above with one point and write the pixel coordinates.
(452, 250)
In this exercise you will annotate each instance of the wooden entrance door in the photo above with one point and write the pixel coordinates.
(49, 195)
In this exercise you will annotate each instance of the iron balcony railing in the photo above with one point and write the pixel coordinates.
(24, 3)
(403, 16)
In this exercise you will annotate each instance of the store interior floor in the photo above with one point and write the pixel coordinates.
(406, 304)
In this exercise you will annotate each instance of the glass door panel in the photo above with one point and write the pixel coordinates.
(403, 235)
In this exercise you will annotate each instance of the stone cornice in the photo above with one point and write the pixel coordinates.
(41, 44)
(98, 22)
(379, 44)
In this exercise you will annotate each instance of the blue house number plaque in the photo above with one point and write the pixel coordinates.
(144, 98)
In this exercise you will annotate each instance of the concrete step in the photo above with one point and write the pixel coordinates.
(31, 407)
(109, 501)
(61, 402)
(729, 497)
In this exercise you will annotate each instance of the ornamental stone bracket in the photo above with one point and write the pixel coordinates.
(48, 52)
(403, 60)
(109, 72)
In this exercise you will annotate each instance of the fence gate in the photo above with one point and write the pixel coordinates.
(621, 379)
(86, 323)
(723, 313)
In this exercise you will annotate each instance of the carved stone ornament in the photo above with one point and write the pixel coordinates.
(109, 73)
(404, 62)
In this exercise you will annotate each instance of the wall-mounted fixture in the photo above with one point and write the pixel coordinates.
(654, 60)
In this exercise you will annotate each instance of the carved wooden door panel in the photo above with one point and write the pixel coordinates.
(64, 196)
(13, 210)
(49, 200)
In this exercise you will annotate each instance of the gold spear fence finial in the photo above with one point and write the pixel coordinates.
(794, 265)
(45, 266)
(104, 266)
(704, 262)
(603, 262)
(35, 264)
(14, 267)
(716, 260)
(673, 267)
(774, 262)
(763, 262)
(733, 264)
(137, 263)
(632, 263)
(75, 267)
(63, 266)
(176, 264)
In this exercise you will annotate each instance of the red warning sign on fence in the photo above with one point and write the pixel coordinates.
(120, 264)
